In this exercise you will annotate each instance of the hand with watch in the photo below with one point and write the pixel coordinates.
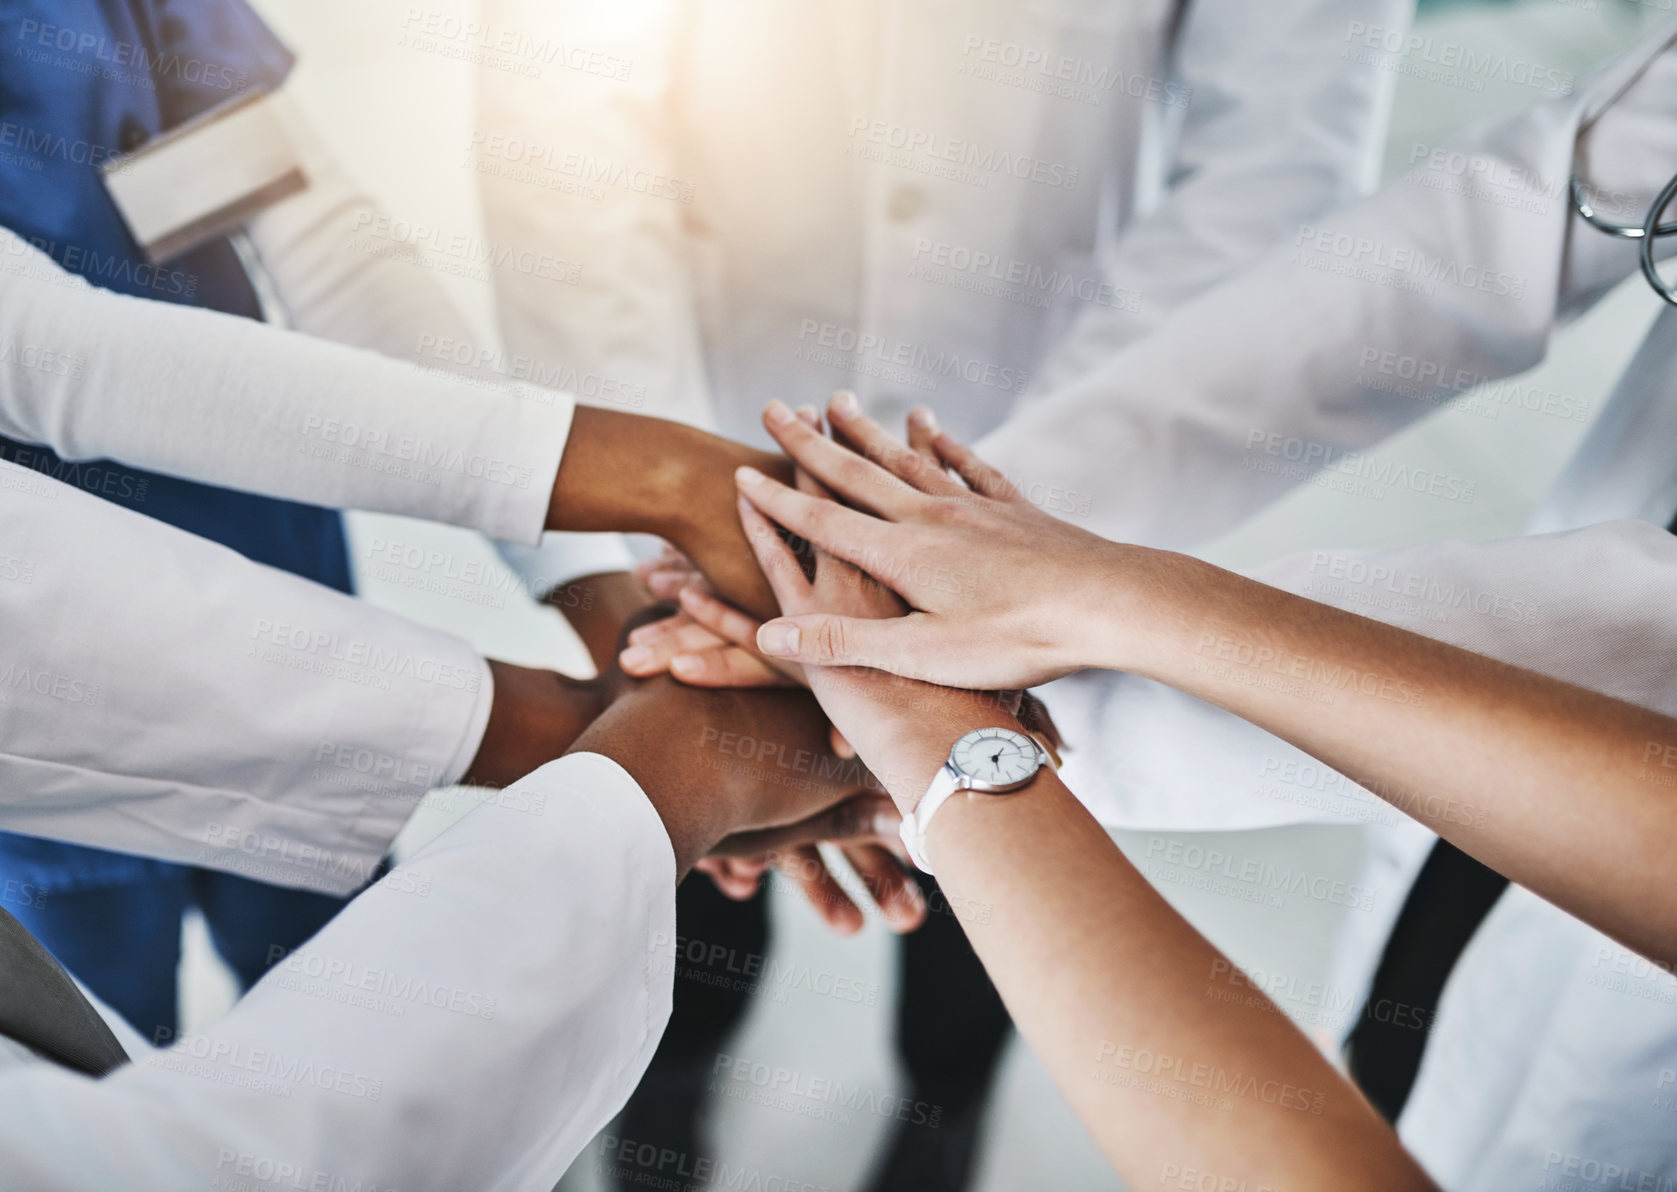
(898, 725)
(985, 761)
(1092, 963)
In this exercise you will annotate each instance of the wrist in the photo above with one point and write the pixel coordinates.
(534, 715)
(652, 476)
(913, 748)
(619, 472)
(1140, 599)
(643, 732)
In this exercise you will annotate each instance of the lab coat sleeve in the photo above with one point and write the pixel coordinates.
(1586, 606)
(470, 1022)
(1356, 326)
(583, 154)
(163, 695)
(343, 270)
(1284, 119)
(226, 401)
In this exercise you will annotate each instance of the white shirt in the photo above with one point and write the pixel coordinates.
(942, 203)
(470, 1022)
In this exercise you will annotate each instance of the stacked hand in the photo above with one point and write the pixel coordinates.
(998, 587)
(880, 599)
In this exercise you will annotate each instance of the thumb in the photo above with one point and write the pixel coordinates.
(894, 644)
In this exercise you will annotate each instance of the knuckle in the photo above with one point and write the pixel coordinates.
(829, 639)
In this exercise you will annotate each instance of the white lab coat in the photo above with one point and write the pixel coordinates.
(334, 266)
(940, 203)
(1554, 1052)
(223, 713)
(1233, 398)
(470, 1022)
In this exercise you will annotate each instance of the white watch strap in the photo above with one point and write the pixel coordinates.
(917, 821)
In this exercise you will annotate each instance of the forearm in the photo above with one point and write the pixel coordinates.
(1116, 994)
(226, 401)
(656, 734)
(1544, 781)
(648, 475)
(534, 717)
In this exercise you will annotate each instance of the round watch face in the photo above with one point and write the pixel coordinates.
(996, 756)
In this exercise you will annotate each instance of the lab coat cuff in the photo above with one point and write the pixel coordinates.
(471, 732)
(517, 511)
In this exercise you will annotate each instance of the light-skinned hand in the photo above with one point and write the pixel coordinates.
(999, 588)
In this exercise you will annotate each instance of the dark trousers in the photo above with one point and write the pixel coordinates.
(950, 1027)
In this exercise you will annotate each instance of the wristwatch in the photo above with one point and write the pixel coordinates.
(986, 761)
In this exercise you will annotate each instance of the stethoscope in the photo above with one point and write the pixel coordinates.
(1647, 232)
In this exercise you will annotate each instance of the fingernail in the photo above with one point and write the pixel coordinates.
(779, 640)
(844, 404)
(748, 475)
(887, 824)
(635, 657)
(923, 418)
(686, 664)
(810, 415)
(777, 413)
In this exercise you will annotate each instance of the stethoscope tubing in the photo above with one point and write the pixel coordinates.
(1651, 231)
(1645, 233)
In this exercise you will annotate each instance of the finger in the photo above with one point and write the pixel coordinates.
(734, 877)
(666, 556)
(727, 666)
(873, 442)
(891, 886)
(731, 625)
(720, 618)
(843, 533)
(922, 429)
(680, 628)
(667, 585)
(668, 562)
(979, 476)
(900, 645)
(860, 482)
(833, 576)
(867, 818)
(839, 743)
(808, 869)
(780, 567)
(651, 647)
(812, 416)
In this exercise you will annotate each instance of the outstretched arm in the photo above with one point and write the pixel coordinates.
(1107, 982)
(226, 401)
(1554, 785)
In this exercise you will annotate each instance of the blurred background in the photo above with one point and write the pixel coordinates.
(403, 120)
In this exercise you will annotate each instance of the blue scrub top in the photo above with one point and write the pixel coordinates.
(82, 81)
